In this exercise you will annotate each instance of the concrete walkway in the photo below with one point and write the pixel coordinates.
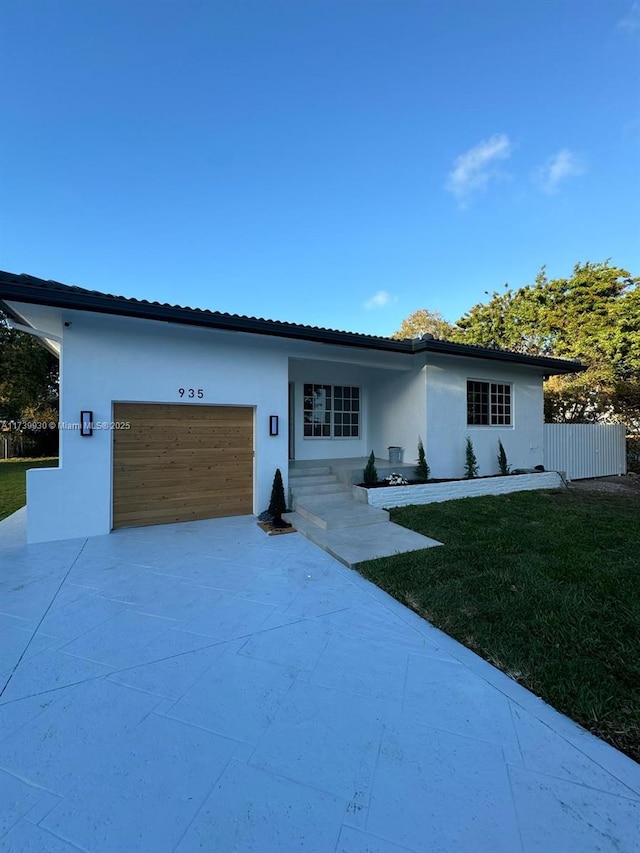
(326, 513)
(207, 687)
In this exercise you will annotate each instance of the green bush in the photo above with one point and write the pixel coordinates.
(633, 453)
(503, 464)
(471, 463)
(277, 504)
(422, 470)
(370, 475)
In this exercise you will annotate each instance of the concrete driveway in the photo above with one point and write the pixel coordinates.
(206, 687)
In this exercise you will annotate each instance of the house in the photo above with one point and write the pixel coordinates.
(187, 413)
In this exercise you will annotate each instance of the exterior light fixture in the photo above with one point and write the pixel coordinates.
(86, 423)
(273, 424)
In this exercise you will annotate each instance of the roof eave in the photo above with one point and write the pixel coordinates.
(193, 317)
(14, 290)
(546, 364)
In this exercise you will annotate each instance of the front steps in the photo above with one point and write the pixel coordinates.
(337, 511)
(305, 483)
(326, 513)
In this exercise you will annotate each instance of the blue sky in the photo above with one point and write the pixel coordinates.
(339, 163)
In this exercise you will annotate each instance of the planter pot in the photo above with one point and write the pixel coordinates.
(426, 493)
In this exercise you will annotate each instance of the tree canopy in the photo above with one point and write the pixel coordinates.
(28, 377)
(594, 316)
(423, 322)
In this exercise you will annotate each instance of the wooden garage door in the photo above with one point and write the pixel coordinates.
(179, 463)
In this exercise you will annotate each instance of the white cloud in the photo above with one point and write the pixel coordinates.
(380, 300)
(631, 21)
(473, 170)
(564, 164)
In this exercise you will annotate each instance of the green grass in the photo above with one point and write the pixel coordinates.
(544, 585)
(13, 481)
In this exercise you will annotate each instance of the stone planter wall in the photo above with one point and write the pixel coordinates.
(427, 493)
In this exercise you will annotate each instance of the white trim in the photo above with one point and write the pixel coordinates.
(37, 333)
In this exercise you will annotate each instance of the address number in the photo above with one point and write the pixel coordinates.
(191, 392)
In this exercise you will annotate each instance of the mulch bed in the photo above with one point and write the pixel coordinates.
(275, 530)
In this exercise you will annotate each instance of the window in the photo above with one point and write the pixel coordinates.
(488, 403)
(331, 411)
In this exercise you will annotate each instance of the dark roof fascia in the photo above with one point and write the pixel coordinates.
(104, 304)
(552, 365)
(26, 289)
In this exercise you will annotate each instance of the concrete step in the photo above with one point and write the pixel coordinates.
(309, 494)
(352, 546)
(312, 480)
(334, 488)
(339, 511)
(308, 471)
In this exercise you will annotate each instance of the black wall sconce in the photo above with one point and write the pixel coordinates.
(273, 424)
(86, 423)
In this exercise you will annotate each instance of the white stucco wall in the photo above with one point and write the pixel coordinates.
(398, 410)
(447, 417)
(376, 408)
(107, 359)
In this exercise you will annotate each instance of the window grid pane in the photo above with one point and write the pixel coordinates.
(488, 403)
(331, 411)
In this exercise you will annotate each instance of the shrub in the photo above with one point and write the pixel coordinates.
(422, 470)
(370, 473)
(503, 465)
(633, 453)
(471, 463)
(277, 504)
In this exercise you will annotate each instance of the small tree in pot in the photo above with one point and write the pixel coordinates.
(278, 504)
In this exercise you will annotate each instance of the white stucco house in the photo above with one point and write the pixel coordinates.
(194, 410)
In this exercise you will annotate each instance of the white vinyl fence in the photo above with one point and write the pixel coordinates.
(585, 450)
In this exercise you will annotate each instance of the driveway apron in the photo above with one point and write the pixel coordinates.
(204, 686)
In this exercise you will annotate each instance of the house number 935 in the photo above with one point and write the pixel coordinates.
(191, 392)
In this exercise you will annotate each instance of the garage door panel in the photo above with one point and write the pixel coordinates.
(170, 500)
(160, 469)
(180, 463)
(182, 413)
(146, 437)
(200, 448)
(162, 477)
(166, 490)
(147, 517)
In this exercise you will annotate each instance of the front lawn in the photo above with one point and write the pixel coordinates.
(545, 586)
(13, 481)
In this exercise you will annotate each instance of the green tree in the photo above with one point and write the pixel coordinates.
(423, 322)
(422, 470)
(470, 461)
(28, 377)
(277, 504)
(503, 464)
(370, 473)
(594, 316)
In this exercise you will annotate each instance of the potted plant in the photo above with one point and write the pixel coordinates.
(277, 504)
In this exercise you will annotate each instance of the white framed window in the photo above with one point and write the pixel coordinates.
(331, 411)
(488, 403)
